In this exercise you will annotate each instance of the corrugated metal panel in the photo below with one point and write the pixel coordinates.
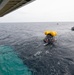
(11, 5)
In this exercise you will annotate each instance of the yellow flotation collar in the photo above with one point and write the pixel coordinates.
(53, 33)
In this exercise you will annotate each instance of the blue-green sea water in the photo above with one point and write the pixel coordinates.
(10, 64)
(22, 51)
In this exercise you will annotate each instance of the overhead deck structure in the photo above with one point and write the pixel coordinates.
(7, 6)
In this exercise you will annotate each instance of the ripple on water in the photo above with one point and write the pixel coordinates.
(10, 64)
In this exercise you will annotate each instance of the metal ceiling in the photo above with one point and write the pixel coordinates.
(7, 6)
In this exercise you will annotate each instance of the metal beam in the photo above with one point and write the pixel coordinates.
(9, 5)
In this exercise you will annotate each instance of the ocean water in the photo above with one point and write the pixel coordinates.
(22, 51)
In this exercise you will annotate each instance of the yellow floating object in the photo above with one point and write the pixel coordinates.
(47, 32)
(53, 33)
